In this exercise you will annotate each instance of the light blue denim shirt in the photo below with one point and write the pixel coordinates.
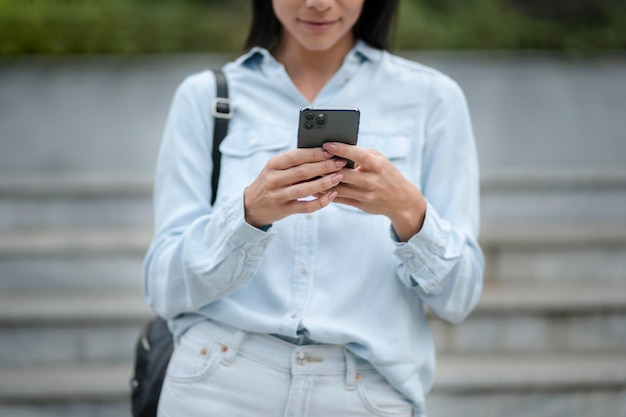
(339, 273)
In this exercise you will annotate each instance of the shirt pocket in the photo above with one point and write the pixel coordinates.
(394, 146)
(246, 151)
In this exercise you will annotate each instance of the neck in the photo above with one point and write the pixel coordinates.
(311, 70)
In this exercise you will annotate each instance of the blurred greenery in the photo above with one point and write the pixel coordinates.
(65, 27)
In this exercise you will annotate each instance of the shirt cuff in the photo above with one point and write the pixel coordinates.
(423, 256)
(244, 236)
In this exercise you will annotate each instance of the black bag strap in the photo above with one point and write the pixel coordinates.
(222, 111)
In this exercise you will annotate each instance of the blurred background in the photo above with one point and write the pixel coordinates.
(85, 87)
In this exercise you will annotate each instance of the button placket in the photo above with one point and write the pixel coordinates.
(301, 284)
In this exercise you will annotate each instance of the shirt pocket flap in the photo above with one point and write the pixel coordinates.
(392, 146)
(245, 142)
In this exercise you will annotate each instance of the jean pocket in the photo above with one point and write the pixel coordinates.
(381, 399)
(194, 359)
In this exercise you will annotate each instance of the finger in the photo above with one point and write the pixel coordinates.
(357, 182)
(310, 206)
(348, 202)
(297, 157)
(305, 172)
(311, 188)
(348, 191)
(359, 155)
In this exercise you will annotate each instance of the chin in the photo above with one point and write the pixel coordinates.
(319, 45)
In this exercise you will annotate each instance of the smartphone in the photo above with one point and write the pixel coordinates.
(321, 124)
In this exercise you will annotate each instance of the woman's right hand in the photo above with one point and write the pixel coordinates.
(285, 179)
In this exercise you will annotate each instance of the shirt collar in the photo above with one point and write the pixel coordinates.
(254, 56)
(367, 52)
(258, 55)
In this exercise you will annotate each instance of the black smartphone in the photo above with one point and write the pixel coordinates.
(321, 124)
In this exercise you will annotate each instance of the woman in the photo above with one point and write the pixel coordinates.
(283, 304)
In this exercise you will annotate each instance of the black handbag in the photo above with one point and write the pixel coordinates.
(155, 345)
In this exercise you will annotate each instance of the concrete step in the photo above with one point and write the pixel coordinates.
(69, 329)
(102, 259)
(43, 243)
(523, 319)
(529, 386)
(59, 309)
(83, 242)
(65, 383)
(95, 274)
(73, 329)
(580, 193)
(81, 261)
(543, 372)
(556, 252)
(559, 386)
(75, 200)
(71, 409)
(519, 194)
(73, 260)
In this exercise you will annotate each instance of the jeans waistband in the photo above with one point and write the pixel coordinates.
(318, 359)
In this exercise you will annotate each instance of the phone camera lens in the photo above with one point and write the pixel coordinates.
(308, 125)
(320, 122)
(309, 116)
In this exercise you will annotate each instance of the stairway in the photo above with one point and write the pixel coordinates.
(547, 335)
(548, 338)
(70, 295)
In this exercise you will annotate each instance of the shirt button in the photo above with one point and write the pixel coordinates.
(294, 315)
(252, 141)
(309, 216)
(304, 270)
(408, 255)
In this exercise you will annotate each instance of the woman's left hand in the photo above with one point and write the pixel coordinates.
(376, 186)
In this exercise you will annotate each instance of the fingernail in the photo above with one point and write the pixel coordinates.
(330, 147)
(340, 163)
(332, 196)
(327, 154)
(336, 179)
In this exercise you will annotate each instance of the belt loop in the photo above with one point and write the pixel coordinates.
(350, 370)
(231, 351)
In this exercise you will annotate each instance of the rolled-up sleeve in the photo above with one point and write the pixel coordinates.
(199, 253)
(443, 263)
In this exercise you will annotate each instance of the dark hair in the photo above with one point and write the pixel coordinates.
(374, 25)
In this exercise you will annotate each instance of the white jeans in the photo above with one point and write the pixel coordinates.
(219, 371)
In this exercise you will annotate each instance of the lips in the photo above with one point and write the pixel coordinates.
(318, 25)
